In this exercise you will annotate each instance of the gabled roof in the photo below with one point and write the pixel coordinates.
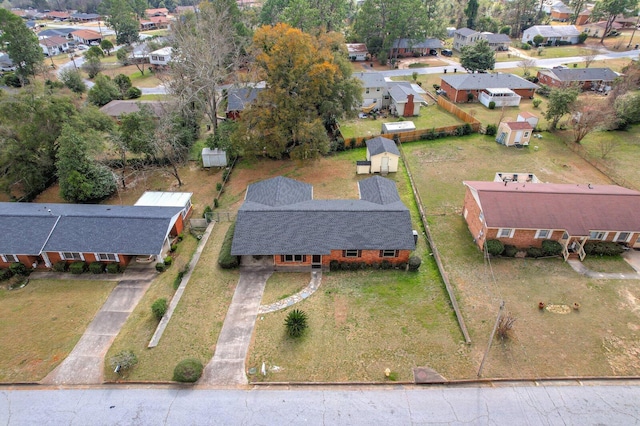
(400, 90)
(62, 32)
(53, 41)
(239, 98)
(483, 81)
(164, 199)
(554, 30)
(5, 60)
(378, 145)
(579, 209)
(157, 12)
(560, 7)
(371, 79)
(30, 228)
(166, 51)
(581, 74)
(118, 107)
(319, 226)
(87, 34)
(518, 125)
(496, 38)
(378, 190)
(85, 16)
(58, 15)
(427, 43)
(465, 32)
(357, 48)
(279, 191)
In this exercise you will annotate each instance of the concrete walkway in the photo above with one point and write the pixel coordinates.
(632, 257)
(155, 339)
(227, 367)
(316, 279)
(85, 363)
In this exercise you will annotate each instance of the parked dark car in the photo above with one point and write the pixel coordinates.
(433, 52)
(446, 52)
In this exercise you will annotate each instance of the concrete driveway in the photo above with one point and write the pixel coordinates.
(85, 363)
(227, 367)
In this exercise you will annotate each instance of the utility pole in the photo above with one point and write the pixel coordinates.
(495, 327)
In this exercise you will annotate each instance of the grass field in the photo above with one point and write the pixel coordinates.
(284, 284)
(42, 322)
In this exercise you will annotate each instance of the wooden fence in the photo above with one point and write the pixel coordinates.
(455, 110)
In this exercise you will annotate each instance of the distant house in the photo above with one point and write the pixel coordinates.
(160, 58)
(599, 79)
(60, 32)
(40, 235)
(560, 12)
(383, 155)
(162, 11)
(552, 34)
(406, 47)
(60, 16)
(6, 64)
(458, 87)
(159, 21)
(530, 118)
(595, 29)
(514, 133)
(374, 88)
(55, 45)
(525, 214)
(583, 17)
(86, 36)
(85, 17)
(282, 223)
(400, 97)
(117, 108)
(468, 37)
(239, 98)
(180, 10)
(357, 51)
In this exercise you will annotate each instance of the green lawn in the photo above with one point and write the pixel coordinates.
(488, 116)
(549, 52)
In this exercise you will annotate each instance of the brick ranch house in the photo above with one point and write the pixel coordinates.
(459, 86)
(585, 78)
(281, 224)
(525, 214)
(43, 234)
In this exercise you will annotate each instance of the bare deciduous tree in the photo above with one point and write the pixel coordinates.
(589, 56)
(505, 324)
(587, 116)
(205, 56)
(526, 65)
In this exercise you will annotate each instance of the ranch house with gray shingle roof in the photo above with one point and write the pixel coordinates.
(280, 221)
(585, 78)
(458, 86)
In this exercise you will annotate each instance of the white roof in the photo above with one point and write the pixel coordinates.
(554, 31)
(164, 199)
(166, 51)
(499, 90)
(400, 125)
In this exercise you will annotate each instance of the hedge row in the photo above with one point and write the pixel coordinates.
(549, 248)
(603, 248)
(335, 265)
(225, 259)
(81, 267)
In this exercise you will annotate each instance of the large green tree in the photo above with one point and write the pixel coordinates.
(608, 10)
(478, 57)
(123, 16)
(309, 86)
(306, 14)
(560, 103)
(20, 43)
(471, 12)
(103, 91)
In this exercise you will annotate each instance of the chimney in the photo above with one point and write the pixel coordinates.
(408, 108)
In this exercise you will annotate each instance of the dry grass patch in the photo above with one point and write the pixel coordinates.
(196, 322)
(607, 264)
(284, 284)
(42, 322)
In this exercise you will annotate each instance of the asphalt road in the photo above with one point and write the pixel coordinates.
(508, 405)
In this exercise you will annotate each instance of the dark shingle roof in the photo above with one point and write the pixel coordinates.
(319, 226)
(378, 190)
(582, 74)
(487, 81)
(496, 38)
(238, 98)
(378, 145)
(62, 32)
(279, 191)
(29, 228)
(428, 43)
(465, 32)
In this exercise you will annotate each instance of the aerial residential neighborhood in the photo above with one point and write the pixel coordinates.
(246, 194)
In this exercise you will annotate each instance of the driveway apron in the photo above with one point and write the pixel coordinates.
(227, 367)
(85, 363)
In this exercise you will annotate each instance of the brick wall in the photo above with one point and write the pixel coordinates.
(473, 219)
(25, 260)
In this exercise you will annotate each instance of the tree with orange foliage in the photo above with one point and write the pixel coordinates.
(308, 87)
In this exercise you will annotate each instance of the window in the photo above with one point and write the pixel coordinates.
(597, 235)
(107, 257)
(10, 258)
(69, 255)
(388, 253)
(351, 253)
(543, 233)
(366, 91)
(505, 233)
(465, 213)
(481, 217)
(622, 237)
(294, 258)
(526, 134)
(377, 89)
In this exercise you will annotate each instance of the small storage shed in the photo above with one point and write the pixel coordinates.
(529, 118)
(383, 155)
(397, 127)
(363, 167)
(214, 157)
(514, 133)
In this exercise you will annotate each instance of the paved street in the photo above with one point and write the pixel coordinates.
(397, 405)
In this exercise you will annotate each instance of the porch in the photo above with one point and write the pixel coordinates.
(501, 97)
(573, 246)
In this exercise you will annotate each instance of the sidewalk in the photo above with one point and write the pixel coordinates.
(632, 257)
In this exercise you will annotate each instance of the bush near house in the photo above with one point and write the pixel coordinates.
(60, 266)
(603, 248)
(551, 248)
(5, 274)
(414, 263)
(225, 259)
(159, 308)
(494, 247)
(113, 268)
(96, 268)
(535, 252)
(188, 371)
(18, 268)
(77, 267)
(491, 130)
(160, 267)
(510, 251)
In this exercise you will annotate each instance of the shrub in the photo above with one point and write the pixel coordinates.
(385, 264)
(492, 105)
(188, 371)
(525, 46)
(216, 203)
(168, 260)
(334, 265)
(18, 268)
(582, 37)
(160, 267)
(491, 130)
(551, 248)
(505, 325)
(544, 90)
(603, 248)
(181, 236)
(534, 252)
(510, 251)
(296, 323)
(178, 279)
(5, 274)
(77, 267)
(123, 360)
(414, 263)
(470, 97)
(133, 93)
(536, 102)
(402, 266)
(352, 143)
(96, 267)
(113, 268)
(60, 266)
(225, 174)
(505, 30)
(218, 186)
(225, 259)
(159, 308)
(494, 247)
(207, 210)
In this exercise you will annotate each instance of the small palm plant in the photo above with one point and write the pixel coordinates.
(296, 323)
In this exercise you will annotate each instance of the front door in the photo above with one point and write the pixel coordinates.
(384, 165)
(316, 261)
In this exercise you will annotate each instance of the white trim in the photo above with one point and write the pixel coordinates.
(539, 231)
(465, 213)
(603, 238)
(511, 232)
(4, 258)
(626, 240)
(98, 259)
(63, 257)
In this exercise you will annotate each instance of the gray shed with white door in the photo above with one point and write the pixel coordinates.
(214, 157)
